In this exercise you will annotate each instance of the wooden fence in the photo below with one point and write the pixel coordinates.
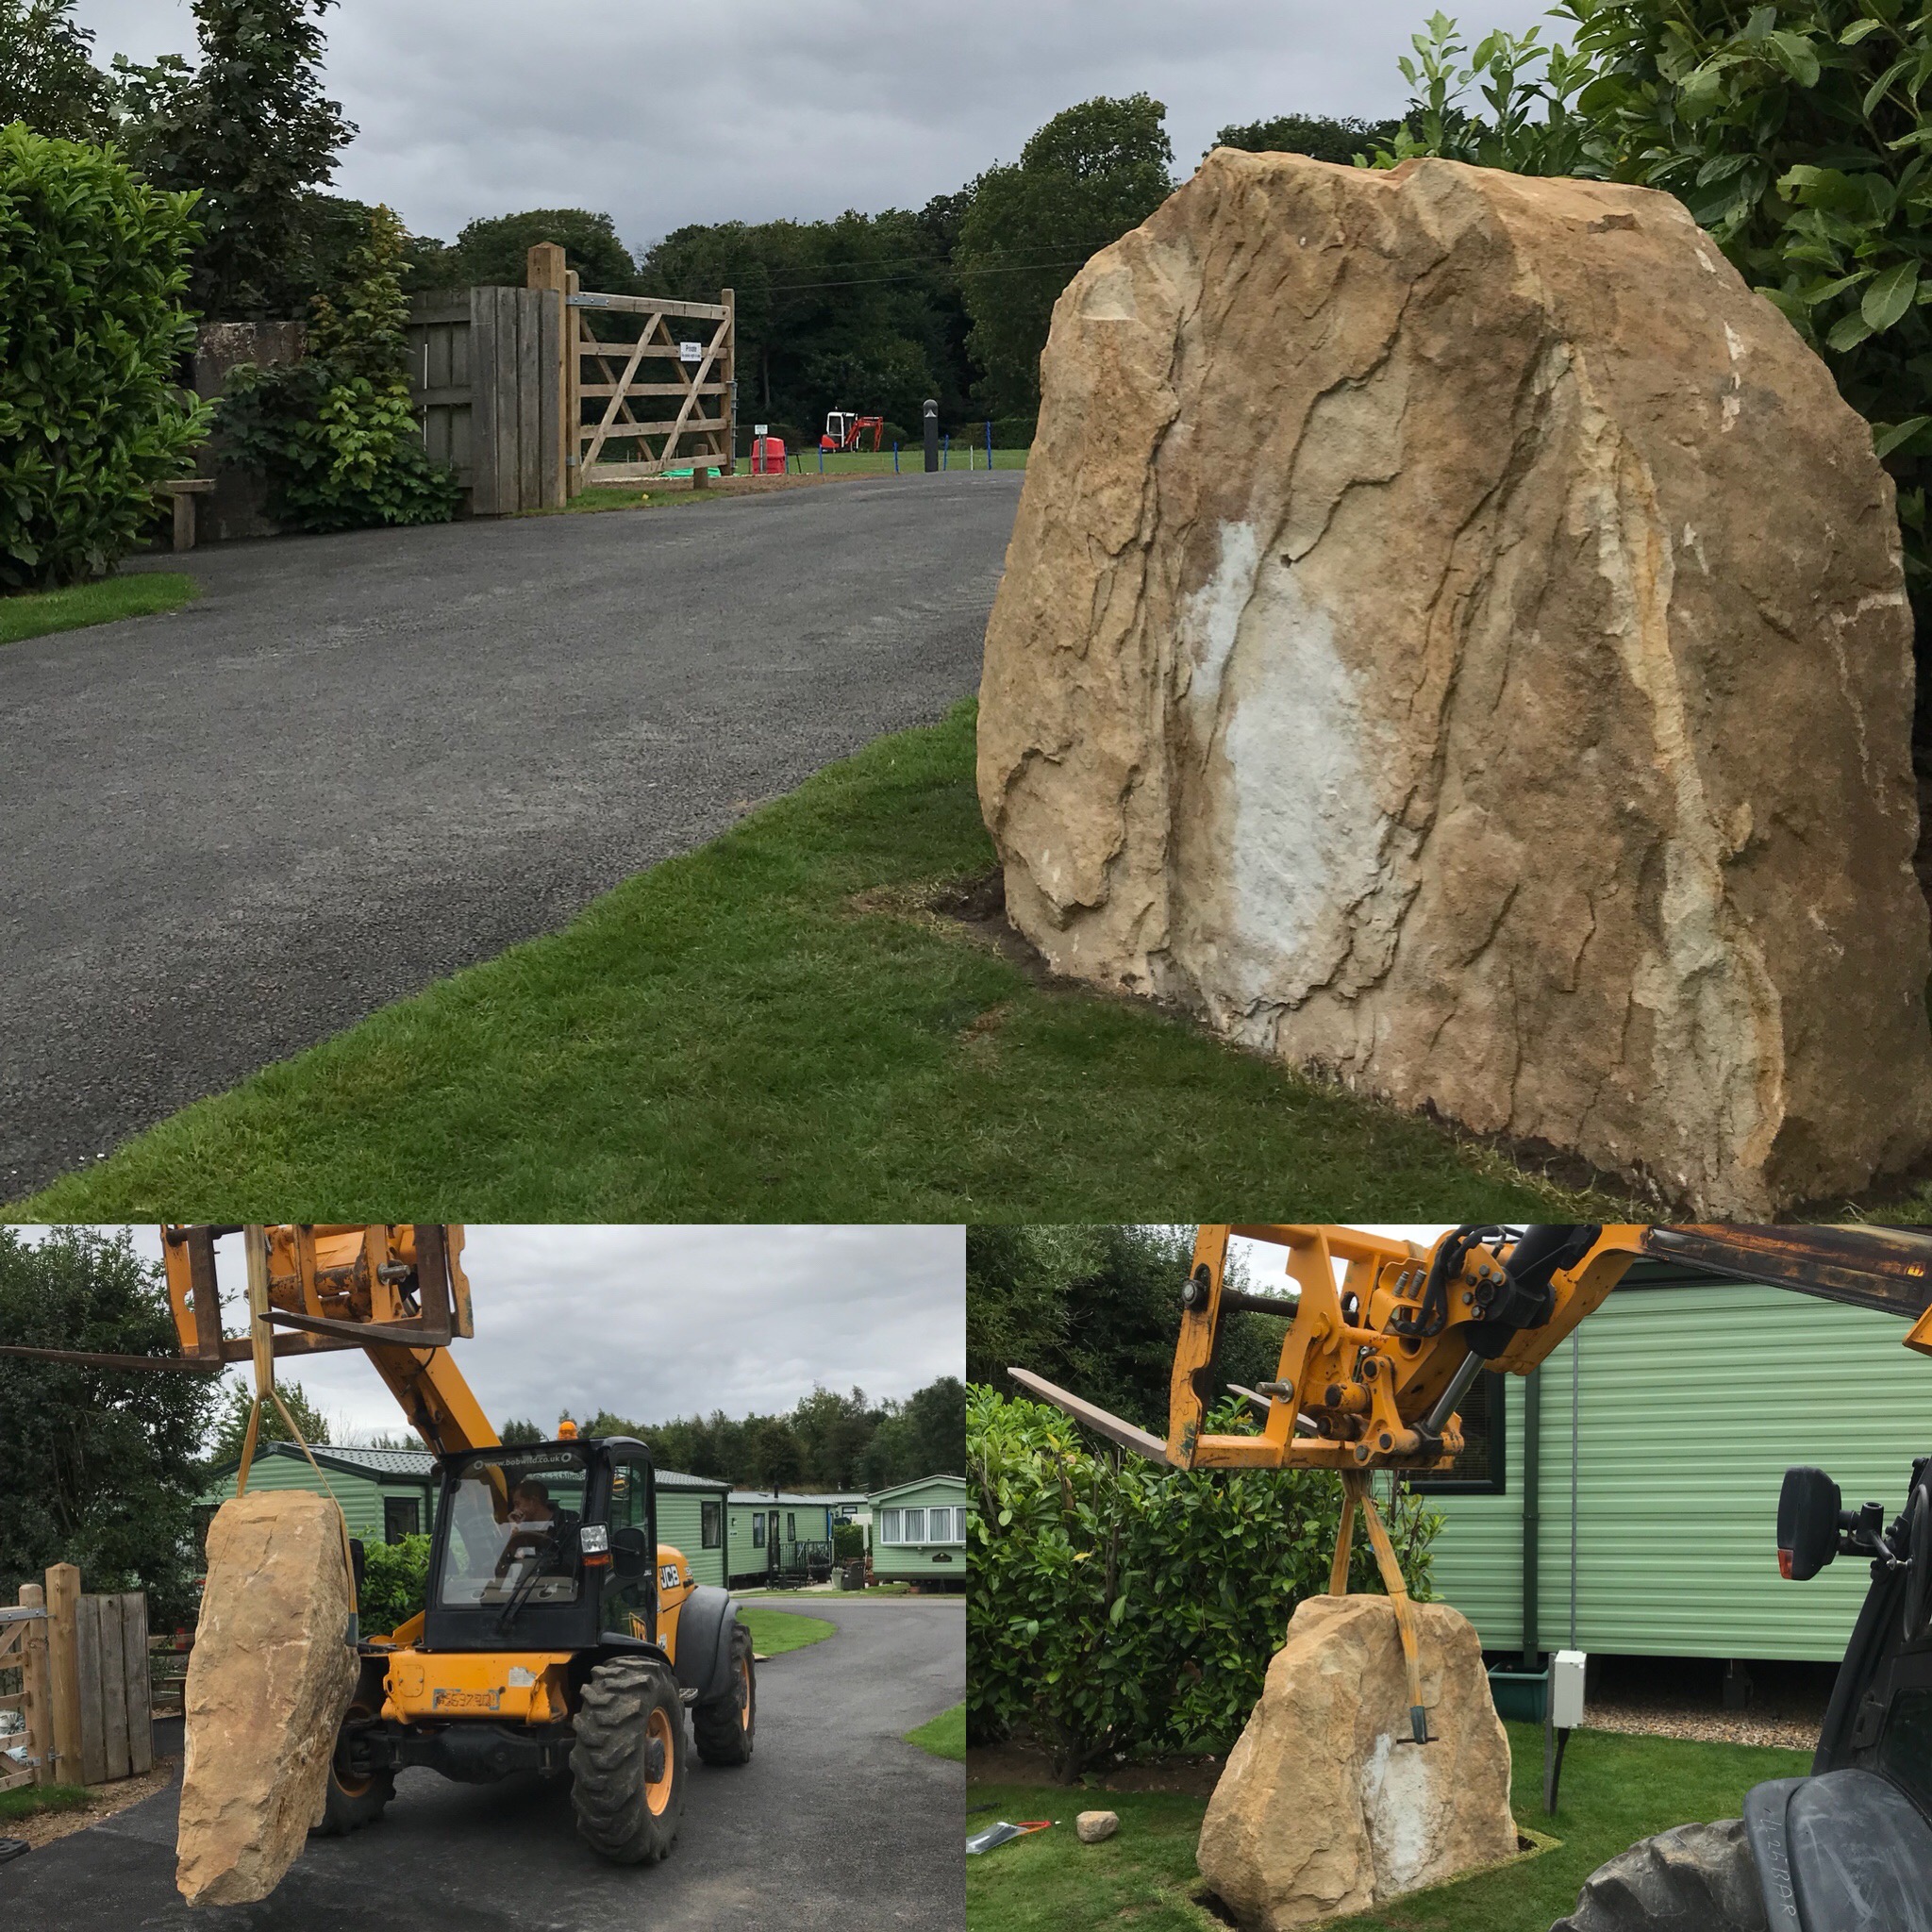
(81, 1666)
(516, 389)
(484, 379)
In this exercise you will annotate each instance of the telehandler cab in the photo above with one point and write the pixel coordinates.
(559, 1635)
(1373, 1366)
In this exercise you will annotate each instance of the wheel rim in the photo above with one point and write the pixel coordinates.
(658, 1790)
(743, 1694)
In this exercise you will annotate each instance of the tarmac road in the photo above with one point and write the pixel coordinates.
(835, 1823)
(361, 762)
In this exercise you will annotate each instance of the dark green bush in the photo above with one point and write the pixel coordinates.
(93, 263)
(848, 1541)
(1118, 1606)
(335, 433)
(395, 1583)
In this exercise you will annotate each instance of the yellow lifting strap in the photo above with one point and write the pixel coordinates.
(1357, 1494)
(260, 1336)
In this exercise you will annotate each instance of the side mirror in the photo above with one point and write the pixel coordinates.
(627, 1551)
(1809, 1509)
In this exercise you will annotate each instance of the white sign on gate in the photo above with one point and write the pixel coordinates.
(690, 352)
(756, 428)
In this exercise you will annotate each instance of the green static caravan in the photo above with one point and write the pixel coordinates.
(390, 1494)
(919, 1532)
(1642, 1519)
(776, 1534)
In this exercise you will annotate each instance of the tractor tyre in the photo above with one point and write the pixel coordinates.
(1695, 1879)
(350, 1802)
(726, 1726)
(627, 1764)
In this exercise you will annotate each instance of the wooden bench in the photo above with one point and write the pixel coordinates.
(184, 490)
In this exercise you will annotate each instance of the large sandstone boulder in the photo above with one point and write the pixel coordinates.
(1326, 1804)
(270, 1676)
(1453, 638)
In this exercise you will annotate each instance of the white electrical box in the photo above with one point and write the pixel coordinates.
(1566, 1689)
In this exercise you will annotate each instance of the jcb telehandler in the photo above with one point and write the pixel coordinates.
(559, 1635)
(1372, 1369)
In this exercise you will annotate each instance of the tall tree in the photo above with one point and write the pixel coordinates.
(250, 128)
(1316, 136)
(495, 250)
(1095, 1309)
(231, 1421)
(47, 74)
(1093, 172)
(102, 1466)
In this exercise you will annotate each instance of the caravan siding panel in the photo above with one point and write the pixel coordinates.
(361, 1497)
(1692, 1402)
(680, 1523)
(931, 1562)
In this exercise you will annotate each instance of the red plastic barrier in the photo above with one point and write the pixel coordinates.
(768, 455)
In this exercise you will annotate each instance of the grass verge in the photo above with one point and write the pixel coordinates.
(944, 1736)
(37, 613)
(30, 1801)
(768, 1030)
(774, 1632)
(1616, 1789)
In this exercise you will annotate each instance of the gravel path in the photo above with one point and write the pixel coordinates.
(361, 762)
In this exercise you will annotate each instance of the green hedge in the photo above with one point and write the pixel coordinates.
(1118, 1605)
(395, 1583)
(93, 263)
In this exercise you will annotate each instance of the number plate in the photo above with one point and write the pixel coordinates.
(467, 1700)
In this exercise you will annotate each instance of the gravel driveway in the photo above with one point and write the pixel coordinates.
(361, 762)
(835, 1823)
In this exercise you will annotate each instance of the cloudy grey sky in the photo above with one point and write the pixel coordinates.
(474, 107)
(657, 1322)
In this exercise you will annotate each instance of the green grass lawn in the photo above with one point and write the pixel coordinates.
(944, 1736)
(35, 613)
(774, 1632)
(27, 1800)
(1615, 1791)
(769, 1028)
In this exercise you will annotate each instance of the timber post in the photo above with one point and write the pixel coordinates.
(546, 269)
(63, 1669)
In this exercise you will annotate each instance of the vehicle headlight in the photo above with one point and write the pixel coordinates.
(594, 1539)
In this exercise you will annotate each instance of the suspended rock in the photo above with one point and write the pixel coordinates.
(1454, 639)
(269, 1679)
(1326, 1804)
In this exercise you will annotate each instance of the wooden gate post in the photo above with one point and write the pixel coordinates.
(37, 1709)
(544, 269)
(572, 391)
(63, 1667)
(729, 378)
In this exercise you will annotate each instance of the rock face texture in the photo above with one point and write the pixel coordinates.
(1322, 1808)
(270, 1674)
(1453, 638)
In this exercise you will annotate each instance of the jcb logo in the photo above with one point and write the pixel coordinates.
(668, 1577)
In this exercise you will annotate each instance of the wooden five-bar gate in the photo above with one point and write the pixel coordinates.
(79, 1665)
(522, 393)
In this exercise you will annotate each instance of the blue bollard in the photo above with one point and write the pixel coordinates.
(821, 459)
(946, 455)
(988, 443)
(895, 460)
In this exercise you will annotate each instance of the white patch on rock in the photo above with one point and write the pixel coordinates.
(1400, 1808)
(1305, 832)
(1209, 618)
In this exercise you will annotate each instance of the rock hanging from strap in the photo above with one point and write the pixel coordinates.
(1324, 1806)
(270, 1674)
